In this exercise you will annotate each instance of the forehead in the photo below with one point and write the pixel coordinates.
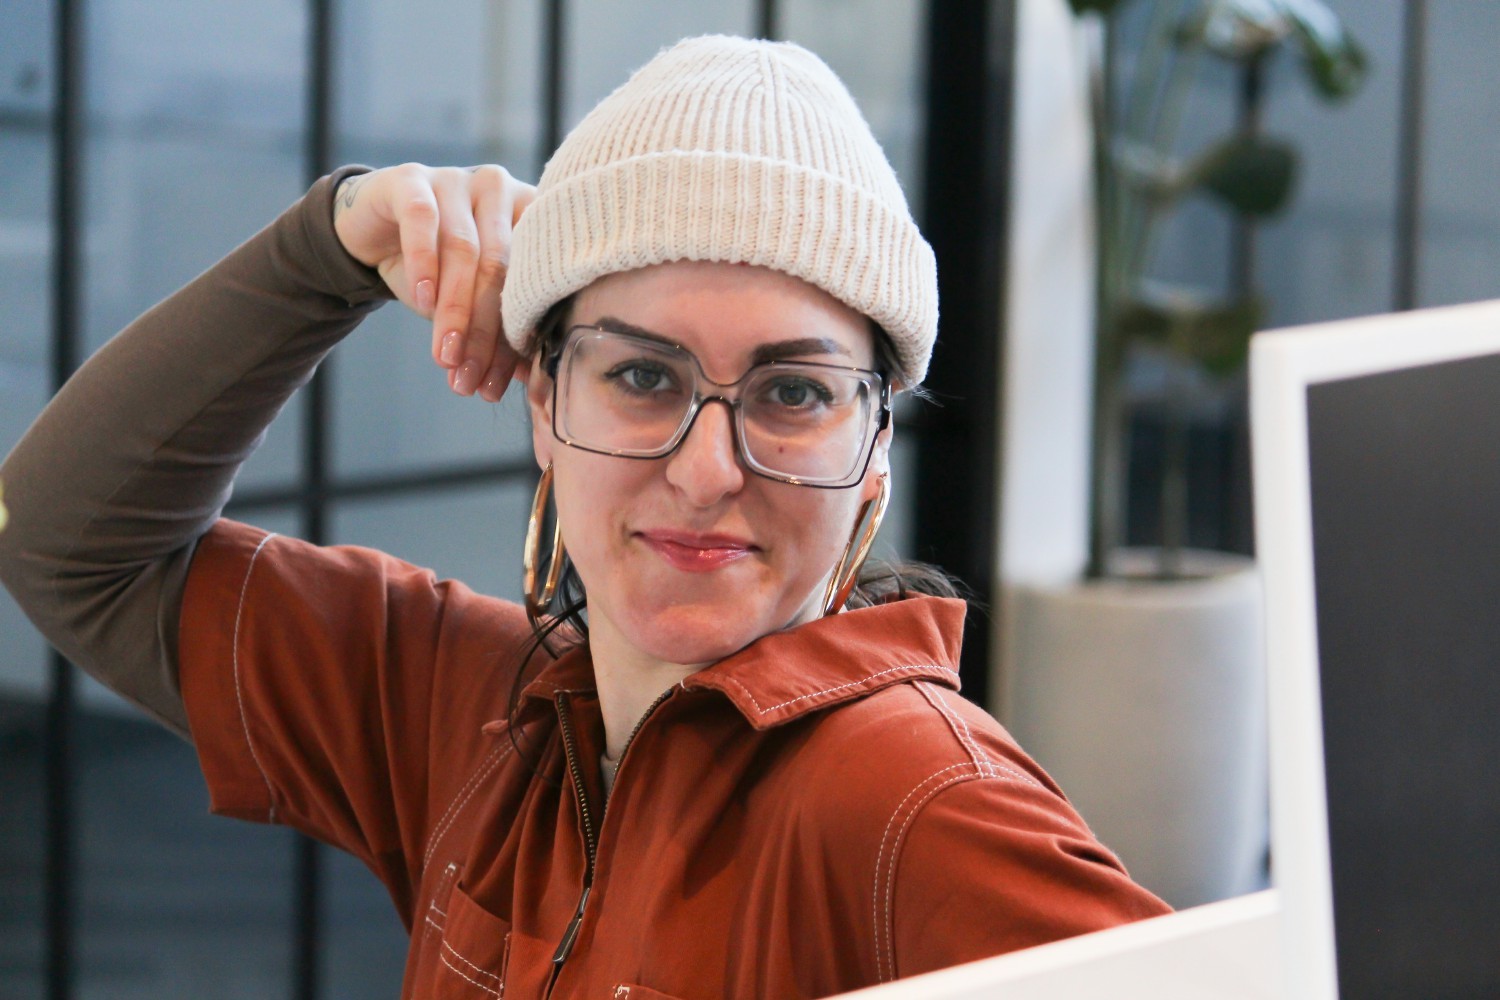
(724, 312)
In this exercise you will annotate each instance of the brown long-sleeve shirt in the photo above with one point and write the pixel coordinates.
(133, 460)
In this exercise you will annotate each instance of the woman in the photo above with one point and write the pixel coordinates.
(734, 786)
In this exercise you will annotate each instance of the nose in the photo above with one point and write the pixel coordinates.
(706, 467)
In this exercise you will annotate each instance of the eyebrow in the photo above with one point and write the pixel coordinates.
(779, 351)
(801, 347)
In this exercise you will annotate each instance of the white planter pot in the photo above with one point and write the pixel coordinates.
(1145, 699)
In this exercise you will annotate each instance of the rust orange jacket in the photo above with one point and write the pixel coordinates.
(816, 813)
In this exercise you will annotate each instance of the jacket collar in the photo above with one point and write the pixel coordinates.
(786, 675)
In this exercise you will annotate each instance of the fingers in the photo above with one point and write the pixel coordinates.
(448, 260)
(494, 197)
(513, 198)
(458, 259)
(414, 208)
(507, 363)
(478, 209)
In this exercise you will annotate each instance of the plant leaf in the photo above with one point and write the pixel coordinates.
(1331, 57)
(1236, 29)
(1245, 29)
(1252, 174)
(1210, 332)
(1139, 321)
(1143, 167)
(1104, 7)
(1220, 340)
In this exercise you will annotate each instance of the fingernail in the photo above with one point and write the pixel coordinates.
(492, 389)
(467, 378)
(452, 350)
(425, 298)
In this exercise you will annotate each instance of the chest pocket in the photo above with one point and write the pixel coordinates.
(465, 947)
(630, 991)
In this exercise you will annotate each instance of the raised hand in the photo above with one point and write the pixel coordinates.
(440, 237)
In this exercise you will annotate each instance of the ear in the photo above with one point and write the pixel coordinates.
(539, 404)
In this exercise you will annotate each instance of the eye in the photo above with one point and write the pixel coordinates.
(640, 377)
(797, 392)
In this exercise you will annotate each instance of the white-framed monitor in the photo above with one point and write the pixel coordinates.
(1376, 445)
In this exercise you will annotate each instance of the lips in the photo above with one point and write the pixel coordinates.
(697, 553)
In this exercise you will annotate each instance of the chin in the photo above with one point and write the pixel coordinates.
(697, 633)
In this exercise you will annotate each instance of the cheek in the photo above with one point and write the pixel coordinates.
(817, 530)
(585, 500)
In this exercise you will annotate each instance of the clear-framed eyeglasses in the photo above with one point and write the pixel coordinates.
(798, 422)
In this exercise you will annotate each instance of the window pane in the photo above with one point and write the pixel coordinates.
(26, 87)
(451, 81)
(393, 410)
(473, 534)
(1330, 254)
(364, 944)
(1461, 220)
(26, 149)
(469, 93)
(172, 902)
(22, 833)
(886, 79)
(605, 41)
(195, 143)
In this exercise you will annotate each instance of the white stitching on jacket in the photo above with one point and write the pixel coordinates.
(447, 946)
(444, 882)
(880, 854)
(991, 767)
(455, 807)
(885, 927)
(239, 695)
(888, 924)
(460, 974)
(966, 738)
(829, 690)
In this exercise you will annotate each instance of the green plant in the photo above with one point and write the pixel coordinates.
(1139, 178)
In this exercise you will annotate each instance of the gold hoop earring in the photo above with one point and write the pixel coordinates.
(846, 574)
(537, 603)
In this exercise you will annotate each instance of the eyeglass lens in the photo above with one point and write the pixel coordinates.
(630, 396)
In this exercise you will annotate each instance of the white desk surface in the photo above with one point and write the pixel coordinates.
(1222, 951)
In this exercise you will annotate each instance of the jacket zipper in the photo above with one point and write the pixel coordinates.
(590, 836)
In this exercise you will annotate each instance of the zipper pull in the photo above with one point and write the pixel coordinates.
(571, 934)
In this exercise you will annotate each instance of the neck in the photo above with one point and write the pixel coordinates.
(629, 682)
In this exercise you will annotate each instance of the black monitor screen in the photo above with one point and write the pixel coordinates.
(1405, 475)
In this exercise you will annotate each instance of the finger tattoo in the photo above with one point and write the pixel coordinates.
(344, 197)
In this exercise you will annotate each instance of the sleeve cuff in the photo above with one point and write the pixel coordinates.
(345, 277)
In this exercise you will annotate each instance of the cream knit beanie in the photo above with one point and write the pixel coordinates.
(726, 149)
